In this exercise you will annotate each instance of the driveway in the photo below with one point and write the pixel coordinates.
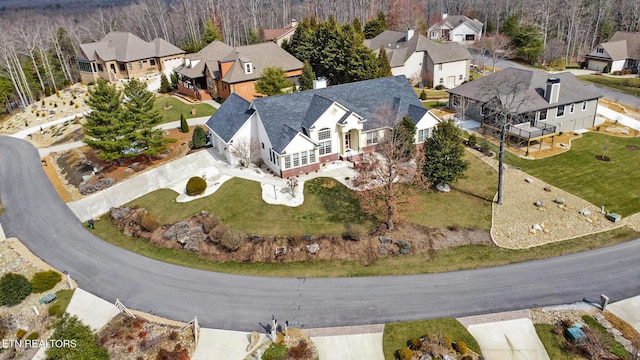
(34, 213)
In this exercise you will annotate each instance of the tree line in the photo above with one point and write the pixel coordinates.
(39, 50)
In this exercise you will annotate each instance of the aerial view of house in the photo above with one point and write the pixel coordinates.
(279, 35)
(540, 104)
(422, 60)
(122, 55)
(296, 133)
(457, 28)
(218, 69)
(621, 52)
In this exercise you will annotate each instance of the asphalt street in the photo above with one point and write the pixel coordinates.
(34, 213)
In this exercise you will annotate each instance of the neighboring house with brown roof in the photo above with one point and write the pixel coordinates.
(540, 104)
(225, 70)
(122, 55)
(420, 59)
(621, 52)
(279, 35)
(457, 28)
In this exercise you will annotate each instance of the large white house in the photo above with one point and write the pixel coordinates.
(457, 28)
(420, 59)
(296, 133)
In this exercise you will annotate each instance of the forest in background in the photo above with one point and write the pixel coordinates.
(39, 45)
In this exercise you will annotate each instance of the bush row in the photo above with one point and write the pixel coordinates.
(14, 287)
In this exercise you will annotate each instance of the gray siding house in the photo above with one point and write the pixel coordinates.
(539, 104)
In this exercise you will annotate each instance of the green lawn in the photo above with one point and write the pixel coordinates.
(552, 342)
(613, 184)
(178, 107)
(468, 205)
(626, 85)
(328, 206)
(396, 335)
(431, 104)
(432, 93)
(63, 298)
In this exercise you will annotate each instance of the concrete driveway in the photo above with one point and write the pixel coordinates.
(509, 340)
(627, 310)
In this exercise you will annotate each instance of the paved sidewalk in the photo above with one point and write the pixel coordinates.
(627, 310)
(91, 310)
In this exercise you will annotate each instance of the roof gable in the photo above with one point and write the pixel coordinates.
(453, 21)
(261, 56)
(230, 117)
(126, 47)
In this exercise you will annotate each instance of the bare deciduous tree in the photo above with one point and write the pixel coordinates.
(246, 150)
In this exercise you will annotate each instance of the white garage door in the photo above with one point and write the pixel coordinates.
(171, 64)
(596, 65)
(458, 37)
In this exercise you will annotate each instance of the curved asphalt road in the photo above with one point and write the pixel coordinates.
(35, 214)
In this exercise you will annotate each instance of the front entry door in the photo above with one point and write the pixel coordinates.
(347, 141)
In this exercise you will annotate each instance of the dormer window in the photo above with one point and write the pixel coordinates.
(248, 68)
(600, 50)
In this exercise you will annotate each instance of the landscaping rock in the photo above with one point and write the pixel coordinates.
(405, 247)
(177, 231)
(119, 213)
(313, 248)
(382, 249)
(103, 183)
(385, 240)
(539, 203)
(547, 189)
(559, 200)
(529, 180)
(584, 212)
(443, 187)
(536, 227)
(281, 250)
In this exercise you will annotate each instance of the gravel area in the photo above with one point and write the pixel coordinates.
(513, 221)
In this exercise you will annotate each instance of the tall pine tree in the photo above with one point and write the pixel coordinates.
(139, 114)
(444, 161)
(384, 69)
(307, 77)
(105, 128)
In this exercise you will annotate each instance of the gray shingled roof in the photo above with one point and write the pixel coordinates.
(208, 55)
(261, 56)
(228, 119)
(633, 42)
(533, 84)
(365, 98)
(399, 50)
(617, 50)
(453, 21)
(126, 47)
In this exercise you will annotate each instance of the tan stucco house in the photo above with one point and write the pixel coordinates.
(621, 52)
(122, 55)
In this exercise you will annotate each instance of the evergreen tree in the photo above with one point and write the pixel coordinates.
(254, 36)
(527, 43)
(375, 26)
(105, 128)
(384, 69)
(139, 115)
(307, 77)
(184, 126)
(211, 33)
(509, 26)
(199, 138)
(273, 81)
(333, 60)
(363, 64)
(165, 87)
(405, 133)
(302, 44)
(444, 161)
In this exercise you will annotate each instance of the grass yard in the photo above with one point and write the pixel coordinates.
(613, 184)
(396, 335)
(551, 342)
(626, 85)
(178, 107)
(468, 205)
(328, 206)
(432, 93)
(432, 104)
(63, 298)
(605, 338)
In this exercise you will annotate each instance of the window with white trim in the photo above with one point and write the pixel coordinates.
(584, 105)
(296, 160)
(560, 111)
(248, 69)
(287, 162)
(372, 137)
(324, 137)
(572, 107)
(139, 64)
(600, 50)
(441, 80)
(303, 158)
(543, 114)
(152, 62)
(424, 134)
(312, 156)
(460, 77)
(439, 66)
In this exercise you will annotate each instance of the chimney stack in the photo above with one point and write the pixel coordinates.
(409, 34)
(319, 83)
(553, 90)
(294, 23)
(444, 16)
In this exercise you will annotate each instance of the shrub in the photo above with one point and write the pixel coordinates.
(354, 232)
(13, 288)
(53, 309)
(196, 186)
(184, 126)
(423, 95)
(558, 64)
(21, 333)
(461, 347)
(71, 103)
(301, 351)
(439, 87)
(45, 280)
(199, 137)
(149, 223)
(173, 335)
(209, 223)
(414, 344)
(276, 351)
(405, 354)
(233, 239)
(484, 146)
(473, 140)
(467, 357)
(33, 336)
(606, 69)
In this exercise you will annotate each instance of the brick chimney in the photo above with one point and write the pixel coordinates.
(553, 90)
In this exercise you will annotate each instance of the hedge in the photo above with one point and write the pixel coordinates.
(13, 288)
(45, 280)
